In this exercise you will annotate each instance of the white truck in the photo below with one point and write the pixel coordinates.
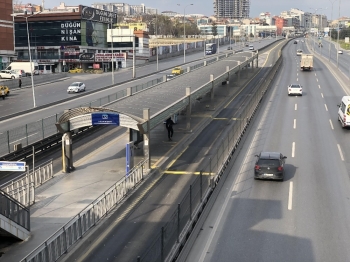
(26, 66)
(306, 62)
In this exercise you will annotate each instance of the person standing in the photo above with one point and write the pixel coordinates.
(19, 82)
(2, 93)
(169, 126)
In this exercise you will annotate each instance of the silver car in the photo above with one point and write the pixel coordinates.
(76, 87)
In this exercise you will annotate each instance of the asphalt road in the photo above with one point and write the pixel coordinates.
(21, 100)
(304, 218)
(132, 236)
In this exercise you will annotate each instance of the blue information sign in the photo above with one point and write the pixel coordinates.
(105, 119)
(12, 166)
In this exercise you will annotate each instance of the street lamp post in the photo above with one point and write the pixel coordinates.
(329, 44)
(31, 64)
(156, 31)
(112, 52)
(184, 30)
(338, 37)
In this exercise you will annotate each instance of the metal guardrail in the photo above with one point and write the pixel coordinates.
(172, 236)
(30, 133)
(23, 189)
(59, 243)
(14, 210)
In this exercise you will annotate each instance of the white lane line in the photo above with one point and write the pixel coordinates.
(21, 139)
(290, 196)
(330, 121)
(297, 74)
(326, 107)
(319, 86)
(297, 79)
(315, 74)
(340, 152)
(295, 124)
(317, 79)
(322, 95)
(293, 149)
(295, 107)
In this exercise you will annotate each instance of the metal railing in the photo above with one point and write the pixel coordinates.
(44, 128)
(15, 211)
(23, 189)
(167, 244)
(58, 243)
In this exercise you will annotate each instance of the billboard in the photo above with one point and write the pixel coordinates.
(97, 15)
(93, 33)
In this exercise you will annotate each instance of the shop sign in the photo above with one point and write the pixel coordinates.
(102, 16)
(87, 56)
(107, 57)
(70, 30)
(69, 60)
(96, 66)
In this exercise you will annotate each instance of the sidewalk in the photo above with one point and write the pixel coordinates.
(66, 195)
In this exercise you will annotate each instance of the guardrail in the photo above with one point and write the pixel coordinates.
(23, 189)
(14, 210)
(173, 235)
(38, 79)
(59, 243)
(30, 133)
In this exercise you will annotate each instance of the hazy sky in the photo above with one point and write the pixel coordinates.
(206, 6)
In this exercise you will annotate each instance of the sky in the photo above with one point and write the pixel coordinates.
(275, 7)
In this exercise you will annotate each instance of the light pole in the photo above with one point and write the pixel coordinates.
(112, 52)
(338, 37)
(30, 59)
(184, 30)
(329, 43)
(157, 37)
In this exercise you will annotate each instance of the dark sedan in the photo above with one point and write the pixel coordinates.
(269, 165)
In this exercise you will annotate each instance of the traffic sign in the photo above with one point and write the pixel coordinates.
(12, 166)
(105, 119)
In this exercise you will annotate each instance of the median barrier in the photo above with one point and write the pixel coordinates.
(37, 79)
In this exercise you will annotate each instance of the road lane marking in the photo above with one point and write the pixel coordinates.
(297, 74)
(315, 74)
(319, 86)
(322, 95)
(326, 107)
(290, 196)
(317, 79)
(295, 124)
(297, 80)
(330, 121)
(293, 149)
(340, 152)
(295, 107)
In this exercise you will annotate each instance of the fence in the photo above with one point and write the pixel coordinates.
(166, 245)
(23, 189)
(44, 128)
(14, 210)
(58, 244)
(38, 79)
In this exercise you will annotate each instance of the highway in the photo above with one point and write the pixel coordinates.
(124, 240)
(21, 99)
(304, 218)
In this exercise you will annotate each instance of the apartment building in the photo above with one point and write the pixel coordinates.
(7, 49)
(124, 8)
(234, 9)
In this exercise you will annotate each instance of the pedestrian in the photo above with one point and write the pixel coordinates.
(2, 94)
(19, 82)
(169, 126)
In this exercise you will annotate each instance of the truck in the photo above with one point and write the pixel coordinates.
(306, 62)
(26, 66)
(210, 49)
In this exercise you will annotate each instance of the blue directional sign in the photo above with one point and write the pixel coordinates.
(12, 166)
(105, 119)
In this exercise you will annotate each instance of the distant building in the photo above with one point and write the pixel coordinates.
(64, 7)
(7, 49)
(126, 9)
(234, 9)
(169, 13)
(280, 23)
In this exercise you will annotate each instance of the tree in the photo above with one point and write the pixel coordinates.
(214, 29)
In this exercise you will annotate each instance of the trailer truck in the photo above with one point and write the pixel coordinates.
(306, 62)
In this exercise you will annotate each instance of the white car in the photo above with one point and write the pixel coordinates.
(20, 72)
(299, 52)
(76, 87)
(340, 51)
(169, 77)
(295, 89)
(251, 47)
(9, 74)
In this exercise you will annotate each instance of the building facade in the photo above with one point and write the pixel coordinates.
(126, 9)
(7, 49)
(60, 41)
(280, 23)
(233, 9)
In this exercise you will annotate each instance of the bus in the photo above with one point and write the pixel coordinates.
(210, 49)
